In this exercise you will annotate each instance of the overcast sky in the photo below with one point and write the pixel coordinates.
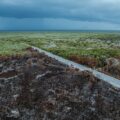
(59, 14)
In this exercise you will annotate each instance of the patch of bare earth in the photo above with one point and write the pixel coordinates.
(36, 87)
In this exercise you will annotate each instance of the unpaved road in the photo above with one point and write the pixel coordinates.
(36, 87)
(107, 78)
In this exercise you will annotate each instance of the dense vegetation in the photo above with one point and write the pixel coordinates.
(96, 45)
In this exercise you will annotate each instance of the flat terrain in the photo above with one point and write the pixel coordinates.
(96, 50)
(66, 44)
(36, 87)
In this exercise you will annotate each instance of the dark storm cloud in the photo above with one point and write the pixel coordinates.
(71, 10)
(86, 10)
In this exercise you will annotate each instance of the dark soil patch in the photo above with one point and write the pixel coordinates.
(44, 89)
(8, 74)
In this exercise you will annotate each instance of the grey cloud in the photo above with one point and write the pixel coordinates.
(94, 11)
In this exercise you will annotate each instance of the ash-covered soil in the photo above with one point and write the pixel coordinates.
(36, 87)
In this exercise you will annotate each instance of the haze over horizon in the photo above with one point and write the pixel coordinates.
(59, 15)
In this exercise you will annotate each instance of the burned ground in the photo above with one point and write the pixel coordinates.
(36, 87)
